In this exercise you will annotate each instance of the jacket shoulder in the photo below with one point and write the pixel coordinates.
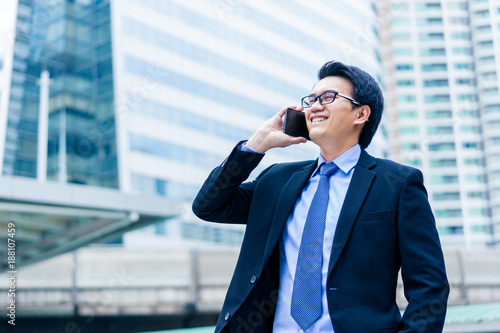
(388, 167)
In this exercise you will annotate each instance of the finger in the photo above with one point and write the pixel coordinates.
(296, 140)
(282, 111)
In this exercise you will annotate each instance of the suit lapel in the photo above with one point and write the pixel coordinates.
(361, 182)
(286, 202)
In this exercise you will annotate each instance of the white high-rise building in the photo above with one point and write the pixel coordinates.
(442, 60)
(192, 78)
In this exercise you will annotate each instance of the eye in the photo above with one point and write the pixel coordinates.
(310, 99)
(328, 97)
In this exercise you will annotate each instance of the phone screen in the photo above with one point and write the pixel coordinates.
(295, 123)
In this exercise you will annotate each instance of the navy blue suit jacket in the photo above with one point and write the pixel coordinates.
(386, 224)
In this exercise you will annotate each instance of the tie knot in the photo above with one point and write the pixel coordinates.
(328, 169)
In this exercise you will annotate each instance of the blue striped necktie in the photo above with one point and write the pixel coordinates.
(306, 305)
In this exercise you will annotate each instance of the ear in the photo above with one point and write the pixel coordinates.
(364, 113)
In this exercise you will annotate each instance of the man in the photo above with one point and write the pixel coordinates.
(324, 241)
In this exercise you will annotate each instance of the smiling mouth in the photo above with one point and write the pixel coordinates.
(318, 120)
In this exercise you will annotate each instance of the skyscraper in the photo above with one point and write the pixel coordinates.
(61, 92)
(442, 62)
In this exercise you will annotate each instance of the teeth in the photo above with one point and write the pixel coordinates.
(317, 120)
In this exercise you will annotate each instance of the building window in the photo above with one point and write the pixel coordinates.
(406, 83)
(436, 98)
(462, 50)
(404, 67)
(434, 67)
(464, 66)
(482, 14)
(410, 146)
(404, 36)
(478, 212)
(428, 6)
(465, 82)
(476, 195)
(487, 60)
(483, 29)
(432, 52)
(470, 129)
(443, 163)
(492, 108)
(490, 76)
(448, 213)
(431, 36)
(442, 130)
(448, 146)
(457, 5)
(444, 179)
(403, 52)
(438, 114)
(466, 97)
(430, 21)
(475, 178)
(490, 92)
(472, 145)
(407, 114)
(485, 45)
(479, 229)
(436, 83)
(459, 20)
(413, 162)
(406, 98)
(474, 161)
(446, 196)
(469, 113)
(405, 130)
(400, 6)
(460, 35)
(400, 22)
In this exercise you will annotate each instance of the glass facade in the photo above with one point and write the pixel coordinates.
(71, 41)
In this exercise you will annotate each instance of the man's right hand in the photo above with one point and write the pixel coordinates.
(270, 134)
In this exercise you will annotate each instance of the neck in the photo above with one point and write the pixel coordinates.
(331, 152)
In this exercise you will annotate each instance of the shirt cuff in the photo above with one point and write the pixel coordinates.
(243, 147)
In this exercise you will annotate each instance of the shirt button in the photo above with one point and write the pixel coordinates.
(253, 279)
(227, 316)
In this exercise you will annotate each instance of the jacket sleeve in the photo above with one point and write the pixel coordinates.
(422, 264)
(223, 197)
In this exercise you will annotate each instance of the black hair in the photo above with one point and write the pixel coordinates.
(366, 92)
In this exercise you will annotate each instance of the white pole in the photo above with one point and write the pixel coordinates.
(63, 175)
(43, 126)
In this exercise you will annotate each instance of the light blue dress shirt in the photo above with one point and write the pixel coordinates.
(292, 235)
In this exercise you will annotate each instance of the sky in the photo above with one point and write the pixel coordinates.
(7, 19)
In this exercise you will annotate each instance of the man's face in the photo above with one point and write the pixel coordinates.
(334, 122)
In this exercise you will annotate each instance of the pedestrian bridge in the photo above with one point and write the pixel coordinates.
(112, 280)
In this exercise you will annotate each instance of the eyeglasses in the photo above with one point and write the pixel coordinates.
(325, 98)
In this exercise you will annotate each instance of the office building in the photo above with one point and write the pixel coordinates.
(148, 96)
(442, 63)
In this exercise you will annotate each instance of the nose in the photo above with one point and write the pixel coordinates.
(316, 106)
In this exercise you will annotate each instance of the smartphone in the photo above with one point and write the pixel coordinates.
(295, 123)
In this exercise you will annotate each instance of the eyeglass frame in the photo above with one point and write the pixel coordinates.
(318, 97)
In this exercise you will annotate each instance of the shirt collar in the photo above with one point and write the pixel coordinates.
(345, 162)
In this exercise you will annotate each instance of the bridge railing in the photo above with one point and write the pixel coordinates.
(112, 280)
